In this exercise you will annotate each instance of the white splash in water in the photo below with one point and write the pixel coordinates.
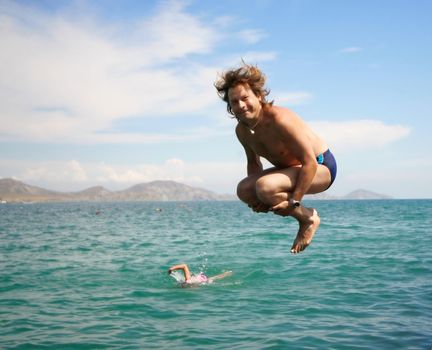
(178, 276)
(203, 266)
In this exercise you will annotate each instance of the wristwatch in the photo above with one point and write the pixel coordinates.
(295, 203)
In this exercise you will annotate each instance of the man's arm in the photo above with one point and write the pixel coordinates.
(305, 176)
(254, 165)
(293, 130)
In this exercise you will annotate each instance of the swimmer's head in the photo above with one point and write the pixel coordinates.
(177, 275)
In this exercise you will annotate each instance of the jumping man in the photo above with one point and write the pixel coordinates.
(303, 163)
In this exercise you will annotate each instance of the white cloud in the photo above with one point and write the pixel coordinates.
(172, 169)
(251, 36)
(52, 172)
(387, 178)
(359, 134)
(172, 33)
(207, 174)
(109, 174)
(73, 175)
(75, 171)
(221, 177)
(293, 98)
(259, 56)
(351, 49)
(67, 79)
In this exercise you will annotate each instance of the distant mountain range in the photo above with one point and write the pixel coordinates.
(357, 194)
(364, 194)
(16, 191)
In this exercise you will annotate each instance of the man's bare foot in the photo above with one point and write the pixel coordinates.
(306, 232)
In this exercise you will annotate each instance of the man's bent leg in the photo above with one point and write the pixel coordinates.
(273, 189)
(309, 222)
(276, 187)
(246, 191)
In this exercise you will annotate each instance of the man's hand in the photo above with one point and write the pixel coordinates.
(260, 208)
(284, 208)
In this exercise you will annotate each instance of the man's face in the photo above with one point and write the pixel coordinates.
(245, 105)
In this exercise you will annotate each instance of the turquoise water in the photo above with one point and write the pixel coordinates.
(93, 276)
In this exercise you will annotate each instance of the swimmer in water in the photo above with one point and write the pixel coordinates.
(191, 279)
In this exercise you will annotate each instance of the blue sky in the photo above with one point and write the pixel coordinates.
(116, 93)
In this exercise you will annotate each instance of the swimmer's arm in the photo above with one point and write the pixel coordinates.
(182, 267)
(220, 276)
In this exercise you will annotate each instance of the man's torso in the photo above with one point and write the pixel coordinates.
(274, 144)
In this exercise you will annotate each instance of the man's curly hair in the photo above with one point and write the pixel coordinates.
(244, 75)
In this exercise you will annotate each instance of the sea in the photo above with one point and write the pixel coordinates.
(92, 275)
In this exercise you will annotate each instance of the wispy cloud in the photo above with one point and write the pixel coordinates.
(388, 179)
(343, 138)
(254, 57)
(251, 36)
(51, 172)
(351, 49)
(67, 79)
(360, 134)
(292, 98)
(73, 175)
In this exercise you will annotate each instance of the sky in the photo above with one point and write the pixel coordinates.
(115, 93)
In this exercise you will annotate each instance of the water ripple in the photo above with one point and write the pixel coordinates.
(74, 279)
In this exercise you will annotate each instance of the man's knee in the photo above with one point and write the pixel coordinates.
(246, 190)
(265, 187)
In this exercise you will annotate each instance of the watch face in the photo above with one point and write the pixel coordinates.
(296, 204)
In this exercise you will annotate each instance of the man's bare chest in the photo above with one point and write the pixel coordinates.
(274, 150)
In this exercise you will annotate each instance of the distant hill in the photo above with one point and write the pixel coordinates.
(93, 193)
(354, 195)
(13, 190)
(364, 194)
(16, 191)
(166, 191)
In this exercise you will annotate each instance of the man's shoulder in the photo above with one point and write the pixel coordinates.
(278, 113)
(240, 130)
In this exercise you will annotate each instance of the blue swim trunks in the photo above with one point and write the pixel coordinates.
(327, 159)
